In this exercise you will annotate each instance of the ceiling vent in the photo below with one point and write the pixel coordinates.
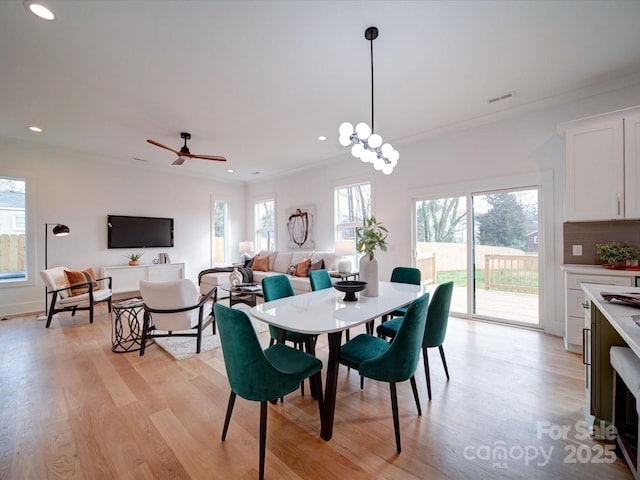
(499, 98)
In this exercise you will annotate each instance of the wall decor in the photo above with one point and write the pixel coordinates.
(301, 227)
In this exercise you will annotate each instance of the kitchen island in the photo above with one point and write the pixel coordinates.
(607, 324)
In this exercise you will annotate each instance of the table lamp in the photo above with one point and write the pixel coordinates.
(246, 248)
(345, 248)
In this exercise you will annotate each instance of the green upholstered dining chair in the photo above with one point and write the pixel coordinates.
(260, 375)
(273, 288)
(434, 332)
(400, 275)
(391, 362)
(320, 279)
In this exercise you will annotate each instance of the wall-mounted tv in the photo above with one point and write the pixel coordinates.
(139, 232)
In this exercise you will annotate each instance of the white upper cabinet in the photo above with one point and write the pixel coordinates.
(632, 166)
(602, 167)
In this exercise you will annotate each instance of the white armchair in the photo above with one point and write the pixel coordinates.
(174, 308)
(77, 295)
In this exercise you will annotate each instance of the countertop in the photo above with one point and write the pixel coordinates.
(598, 270)
(620, 316)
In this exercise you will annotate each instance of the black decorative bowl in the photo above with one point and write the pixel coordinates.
(350, 287)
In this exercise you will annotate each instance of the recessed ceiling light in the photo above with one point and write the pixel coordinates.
(322, 138)
(37, 8)
(35, 129)
(230, 170)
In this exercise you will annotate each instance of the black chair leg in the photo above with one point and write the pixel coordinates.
(414, 387)
(227, 419)
(90, 313)
(361, 382)
(444, 361)
(396, 420)
(425, 358)
(263, 437)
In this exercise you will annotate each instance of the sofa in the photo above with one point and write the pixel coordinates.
(280, 262)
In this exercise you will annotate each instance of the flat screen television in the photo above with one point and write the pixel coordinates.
(139, 232)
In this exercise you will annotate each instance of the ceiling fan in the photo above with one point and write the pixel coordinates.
(184, 152)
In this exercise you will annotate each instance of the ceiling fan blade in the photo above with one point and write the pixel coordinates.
(178, 161)
(153, 142)
(217, 158)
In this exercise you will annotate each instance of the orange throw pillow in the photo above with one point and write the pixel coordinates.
(75, 278)
(260, 264)
(302, 269)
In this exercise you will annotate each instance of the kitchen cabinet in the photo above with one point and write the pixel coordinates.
(575, 304)
(602, 167)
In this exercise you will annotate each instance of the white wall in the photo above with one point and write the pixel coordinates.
(80, 192)
(518, 147)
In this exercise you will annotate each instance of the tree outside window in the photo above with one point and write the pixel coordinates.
(265, 221)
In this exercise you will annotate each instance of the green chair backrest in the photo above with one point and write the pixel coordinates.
(438, 316)
(276, 286)
(406, 275)
(398, 363)
(273, 288)
(250, 374)
(320, 279)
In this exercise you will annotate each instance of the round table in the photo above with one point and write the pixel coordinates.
(126, 335)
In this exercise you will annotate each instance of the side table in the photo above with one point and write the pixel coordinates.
(344, 276)
(126, 335)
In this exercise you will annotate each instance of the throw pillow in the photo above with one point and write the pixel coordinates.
(302, 269)
(317, 265)
(249, 263)
(261, 264)
(90, 277)
(291, 269)
(75, 278)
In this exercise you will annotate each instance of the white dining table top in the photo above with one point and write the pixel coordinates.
(324, 311)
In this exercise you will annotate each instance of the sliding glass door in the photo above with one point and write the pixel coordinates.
(487, 243)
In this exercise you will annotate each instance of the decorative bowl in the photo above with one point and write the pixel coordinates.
(350, 287)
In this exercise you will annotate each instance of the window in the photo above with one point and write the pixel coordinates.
(220, 243)
(352, 206)
(12, 229)
(265, 221)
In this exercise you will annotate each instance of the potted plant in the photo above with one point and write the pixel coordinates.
(371, 236)
(134, 258)
(615, 254)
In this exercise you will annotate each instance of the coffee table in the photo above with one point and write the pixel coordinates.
(245, 295)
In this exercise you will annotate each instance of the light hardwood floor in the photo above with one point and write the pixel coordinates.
(70, 408)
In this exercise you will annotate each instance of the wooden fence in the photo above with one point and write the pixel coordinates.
(12, 253)
(511, 273)
(426, 263)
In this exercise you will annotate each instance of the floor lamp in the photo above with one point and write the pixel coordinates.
(59, 230)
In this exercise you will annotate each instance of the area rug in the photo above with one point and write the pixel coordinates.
(185, 347)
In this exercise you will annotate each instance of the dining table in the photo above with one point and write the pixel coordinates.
(326, 312)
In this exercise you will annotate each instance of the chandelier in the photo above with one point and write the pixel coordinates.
(365, 144)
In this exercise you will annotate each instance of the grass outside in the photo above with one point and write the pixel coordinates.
(459, 277)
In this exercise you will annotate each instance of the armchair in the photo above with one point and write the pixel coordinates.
(174, 308)
(77, 295)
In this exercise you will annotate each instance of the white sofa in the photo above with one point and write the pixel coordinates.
(279, 262)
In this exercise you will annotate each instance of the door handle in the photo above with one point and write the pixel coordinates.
(584, 347)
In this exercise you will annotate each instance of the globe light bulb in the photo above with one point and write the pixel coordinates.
(363, 131)
(345, 140)
(345, 129)
(386, 149)
(394, 156)
(357, 150)
(375, 140)
(378, 164)
(387, 169)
